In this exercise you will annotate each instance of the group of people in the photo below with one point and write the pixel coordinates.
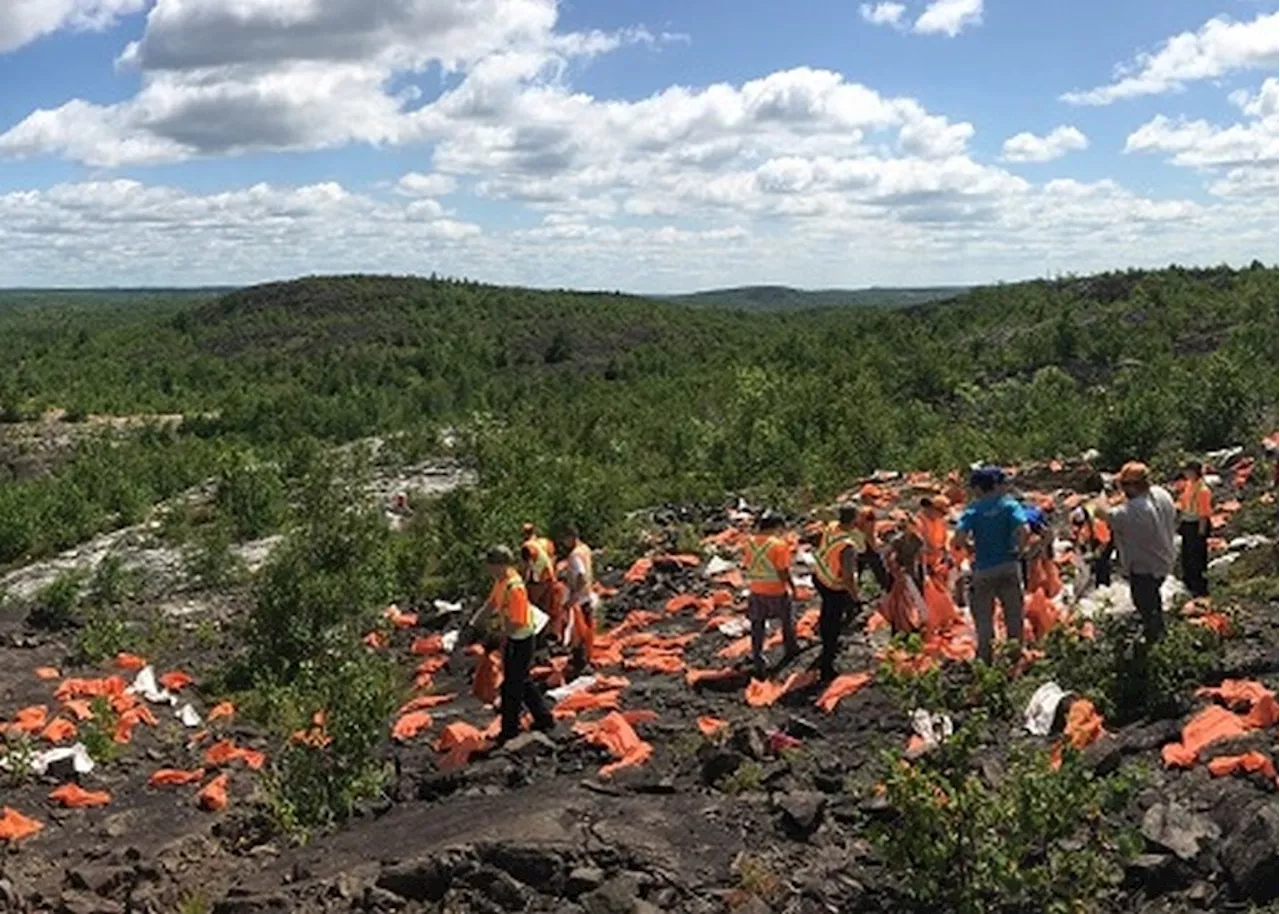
(990, 554)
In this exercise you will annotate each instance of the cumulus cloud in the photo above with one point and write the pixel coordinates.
(1219, 47)
(886, 13)
(419, 185)
(1242, 157)
(948, 17)
(1027, 147)
(23, 21)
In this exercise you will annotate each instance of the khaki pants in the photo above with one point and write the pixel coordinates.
(1003, 583)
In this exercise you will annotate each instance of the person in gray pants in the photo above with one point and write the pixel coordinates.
(994, 526)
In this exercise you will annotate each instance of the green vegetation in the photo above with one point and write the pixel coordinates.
(1036, 840)
(55, 604)
(783, 298)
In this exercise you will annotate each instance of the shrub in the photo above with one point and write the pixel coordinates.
(111, 583)
(250, 496)
(1038, 840)
(55, 604)
(210, 560)
(103, 633)
(314, 787)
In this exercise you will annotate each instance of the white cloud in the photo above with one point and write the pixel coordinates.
(1219, 47)
(885, 13)
(420, 185)
(1243, 157)
(1027, 147)
(948, 17)
(23, 21)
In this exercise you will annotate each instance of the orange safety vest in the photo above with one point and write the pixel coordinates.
(544, 565)
(760, 574)
(830, 553)
(1195, 501)
(933, 531)
(512, 600)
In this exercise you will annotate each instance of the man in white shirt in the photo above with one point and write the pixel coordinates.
(1143, 530)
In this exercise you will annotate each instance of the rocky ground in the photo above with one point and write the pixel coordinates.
(742, 806)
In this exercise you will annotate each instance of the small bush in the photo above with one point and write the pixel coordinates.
(1038, 840)
(104, 633)
(98, 733)
(16, 754)
(748, 778)
(210, 561)
(112, 583)
(250, 496)
(55, 604)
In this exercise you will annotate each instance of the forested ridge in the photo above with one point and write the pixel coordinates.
(589, 405)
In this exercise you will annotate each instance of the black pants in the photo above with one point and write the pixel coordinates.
(1102, 565)
(835, 604)
(1195, 558)
(1144, 589)
(518, 690)
(871, 559)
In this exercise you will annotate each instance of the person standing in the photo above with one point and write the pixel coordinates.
(582, 599)
(1143, 530)
(993, 523)
(1195, 507)
(538, 555)
(768, 575)
(1093, 539)
(510, 600)
(835, 576)
(869, 556)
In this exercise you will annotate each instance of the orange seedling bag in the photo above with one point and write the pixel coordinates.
(213, 796)
(73, 796)
(175, 777)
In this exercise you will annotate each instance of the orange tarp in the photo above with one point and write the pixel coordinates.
(488, 678)
(841, 687)
(1210, 725)
(586, 700)
(59, 729)
(1249, 763)
(14, 826)
(762, 693)
(1236, 693)
(710, 726)
(616, 735)
(425, 702)
(175, 680)
(213, 796)
(409, 725)
(175, 777)
(73, 796)
(130, 663)
(639, 571)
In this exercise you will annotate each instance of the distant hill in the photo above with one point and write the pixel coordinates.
(785, 298)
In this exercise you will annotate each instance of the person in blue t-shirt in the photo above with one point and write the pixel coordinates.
(996, 528)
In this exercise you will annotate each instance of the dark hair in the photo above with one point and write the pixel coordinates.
(571, 531)
(770, 521)
(499, 555)
(1194, 466)
(848, 514)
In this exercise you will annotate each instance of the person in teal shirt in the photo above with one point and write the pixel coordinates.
(995, 526)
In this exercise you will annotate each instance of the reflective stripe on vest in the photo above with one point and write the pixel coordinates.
(544, 568)
(759, 569)
(514, 628)
(1187, 500)
(827, 560)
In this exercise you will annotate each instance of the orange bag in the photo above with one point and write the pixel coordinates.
(213, 796)
(400, 619)
(763, 693)
(175, 681)
(639, 571)
(693, 677)
(47, 672)
(488, 678)
(1041, 613)
(73, 796)
(427, 645)
(736, 649)
(710, 726)
(14, 826)
(220, 710)
(91, 688)
(1210, 725)
(426, 702)
(616, 735)
(841, 687)
(1250, 762)
(576, 703)
(130, 663)
(175, 777)
(59, 729)
(1084, 724)
(410, 725)
(80, 708)
(30, 720)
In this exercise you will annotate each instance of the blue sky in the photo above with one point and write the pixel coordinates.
(653, 146)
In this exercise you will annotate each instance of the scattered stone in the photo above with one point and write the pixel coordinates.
(1175, 828)
(583, 879)
(252, 904)
(419, 880)
(501, 888)
(1250, 854)
(1156, 873)
(541, 868)
(718, 763)
(1104, 756)
(378, 899)
(752, 905)
(531, 744)
(74, 902)
(748, 740)
(801, 812)
(617, 896)
(801, 728)
(1151, 736)
(100, 880)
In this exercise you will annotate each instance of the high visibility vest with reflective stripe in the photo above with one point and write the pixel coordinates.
(544, 566)
(583, 552)
(759, 569)
(516, 628)
(827, 560)
(1187, 500)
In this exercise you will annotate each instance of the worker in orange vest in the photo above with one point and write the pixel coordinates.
(835, 577)
(931, 525)
(768, 574)
(509, 598)
(870, 556)
(582, 599)
(1093, 539)
(1195, 508)
(539, 558)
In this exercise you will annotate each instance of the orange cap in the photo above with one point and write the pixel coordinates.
(1134, 473)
